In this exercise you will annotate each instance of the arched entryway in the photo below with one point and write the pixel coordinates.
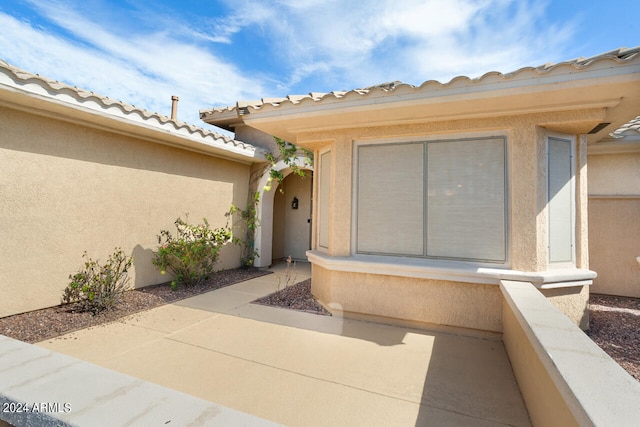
(292, 218)
(300, 221)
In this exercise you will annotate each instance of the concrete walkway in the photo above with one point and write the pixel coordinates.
(301, 369)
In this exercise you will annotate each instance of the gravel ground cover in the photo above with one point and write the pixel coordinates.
(296, 297)
(614, 324)
(614, 321)
(51, 322)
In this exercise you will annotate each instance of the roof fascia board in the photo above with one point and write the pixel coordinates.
(444, 116)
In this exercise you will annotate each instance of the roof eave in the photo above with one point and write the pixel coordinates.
(611, 94)
(35, 95)
(571, 85)
(225, 119)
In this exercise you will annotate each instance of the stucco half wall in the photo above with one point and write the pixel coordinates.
(399, 294)
(420, 302)
(66, 189)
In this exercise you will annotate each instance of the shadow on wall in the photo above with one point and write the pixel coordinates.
(146, 273)
(60, 139)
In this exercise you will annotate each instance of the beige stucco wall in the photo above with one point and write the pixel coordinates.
(420, 301)
(614, 174)
(66, 189)
(527, 175)
(614, 223)
(572, 301)
(614, 236)
(255, 137)
(258, 139)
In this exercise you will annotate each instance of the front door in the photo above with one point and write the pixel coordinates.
(292, 218)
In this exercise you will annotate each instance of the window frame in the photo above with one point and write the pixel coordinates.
(571, 140)
(324, 206)
(426, 140)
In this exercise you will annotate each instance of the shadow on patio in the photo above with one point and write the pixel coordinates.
(303, 369)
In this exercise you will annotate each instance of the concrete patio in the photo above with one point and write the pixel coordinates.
(302, 369)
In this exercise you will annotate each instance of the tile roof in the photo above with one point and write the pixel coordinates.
(621, 55)
(632, 128)
(52, 90)
(625, 139)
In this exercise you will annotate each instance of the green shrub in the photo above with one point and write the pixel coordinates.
(99, 287)
(190, 255)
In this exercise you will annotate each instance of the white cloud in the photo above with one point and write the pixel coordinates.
(307, 45)
(223, 28)
(356, 44)
(422, 19)
(141, 69)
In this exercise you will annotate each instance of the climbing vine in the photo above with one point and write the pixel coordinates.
(288, 154)
(247, 219)
(247, 223)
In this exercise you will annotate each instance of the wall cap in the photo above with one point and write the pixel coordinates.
(456, 271)
(595, 388)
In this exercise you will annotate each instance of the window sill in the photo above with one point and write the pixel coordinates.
(450, 270)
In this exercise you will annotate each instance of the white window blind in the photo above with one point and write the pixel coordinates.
(440, 199)
(390, 199)
(560, 182)
(466, 202)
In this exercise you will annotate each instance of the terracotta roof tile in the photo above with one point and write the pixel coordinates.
(619, 55)
(630, 128)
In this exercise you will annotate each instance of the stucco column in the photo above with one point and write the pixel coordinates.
(527, 221)
(340, 211)
(582, 205)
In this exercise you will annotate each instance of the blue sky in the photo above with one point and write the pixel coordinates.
(214, 53)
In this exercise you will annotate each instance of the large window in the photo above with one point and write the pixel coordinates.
(434, 199)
